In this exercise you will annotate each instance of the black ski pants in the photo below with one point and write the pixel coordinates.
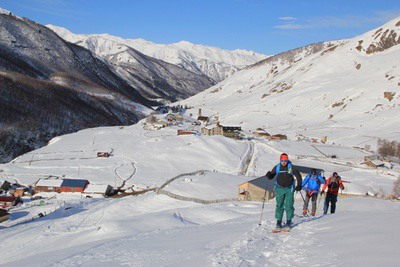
(332, 199)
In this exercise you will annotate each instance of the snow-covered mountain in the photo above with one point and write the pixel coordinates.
(213, 62)
(51, 87)
(347, 90)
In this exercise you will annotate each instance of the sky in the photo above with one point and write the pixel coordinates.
(263, 26)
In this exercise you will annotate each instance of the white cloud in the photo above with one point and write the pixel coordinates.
(346, 21)
(290, 26)
(288, 18)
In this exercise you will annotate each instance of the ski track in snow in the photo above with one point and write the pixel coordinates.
(260, 247)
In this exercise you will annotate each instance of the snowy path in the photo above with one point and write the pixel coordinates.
(247, 158)
(259, 247)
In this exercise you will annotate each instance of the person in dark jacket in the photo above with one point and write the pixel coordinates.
(333, 183)
(312, 183)
(284, 187)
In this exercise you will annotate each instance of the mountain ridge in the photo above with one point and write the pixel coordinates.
(213, 62)
(326, 89)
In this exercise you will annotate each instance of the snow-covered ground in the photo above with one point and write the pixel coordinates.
(157, 230)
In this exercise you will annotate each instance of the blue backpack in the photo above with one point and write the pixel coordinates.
(313, 182)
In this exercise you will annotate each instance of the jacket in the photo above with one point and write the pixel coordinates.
(285, 177)
(332, 189)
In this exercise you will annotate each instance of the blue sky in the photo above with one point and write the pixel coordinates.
(264, 26)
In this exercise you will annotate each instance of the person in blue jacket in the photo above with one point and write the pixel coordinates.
(311, 185)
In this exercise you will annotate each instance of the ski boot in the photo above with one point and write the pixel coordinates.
(288, 226)
(278, 227)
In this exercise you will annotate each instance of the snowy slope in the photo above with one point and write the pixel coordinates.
(334, 89)
(213, 62)
(156, 230)
(153, 229)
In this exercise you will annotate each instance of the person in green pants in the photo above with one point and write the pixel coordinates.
(284, 188)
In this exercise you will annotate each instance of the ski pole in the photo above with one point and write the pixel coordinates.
(262, 209)
(320, 197)
(319, 201)
(301, 194)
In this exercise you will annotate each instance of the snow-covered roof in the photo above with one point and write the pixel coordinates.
(210, 127)
(377, 162)
(55, 183)
(96, 188)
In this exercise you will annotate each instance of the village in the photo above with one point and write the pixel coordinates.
(202, 125)
(14, 194)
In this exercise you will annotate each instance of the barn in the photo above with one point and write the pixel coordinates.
(48, 185)
(254, 190)
(73, 185)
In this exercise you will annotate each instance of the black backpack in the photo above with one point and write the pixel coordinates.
(334, 183)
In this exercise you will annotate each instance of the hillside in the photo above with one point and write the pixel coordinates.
(347, 90)
(51, 87)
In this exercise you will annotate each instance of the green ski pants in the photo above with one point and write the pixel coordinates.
(284, 201)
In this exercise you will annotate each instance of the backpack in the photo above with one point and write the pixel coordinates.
(313, 182)
(334, 183)
(290, 170)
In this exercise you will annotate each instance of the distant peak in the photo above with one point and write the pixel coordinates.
(4, 11)
(7, 12)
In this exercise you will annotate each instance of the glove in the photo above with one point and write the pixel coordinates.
(269, 174)
(322, 193)
(298, 188)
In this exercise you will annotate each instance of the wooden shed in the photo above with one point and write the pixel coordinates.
(278, 137)
(103, 189)
(48, 185)
(6, 185)
(4, 215)
(203, 119)
(375, 163)
(254, 190)
(103, 154)
(261, 133)
(73, 185)
(20, 191)
(9, 201)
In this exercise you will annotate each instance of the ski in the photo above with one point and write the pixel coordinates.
(283, 231)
